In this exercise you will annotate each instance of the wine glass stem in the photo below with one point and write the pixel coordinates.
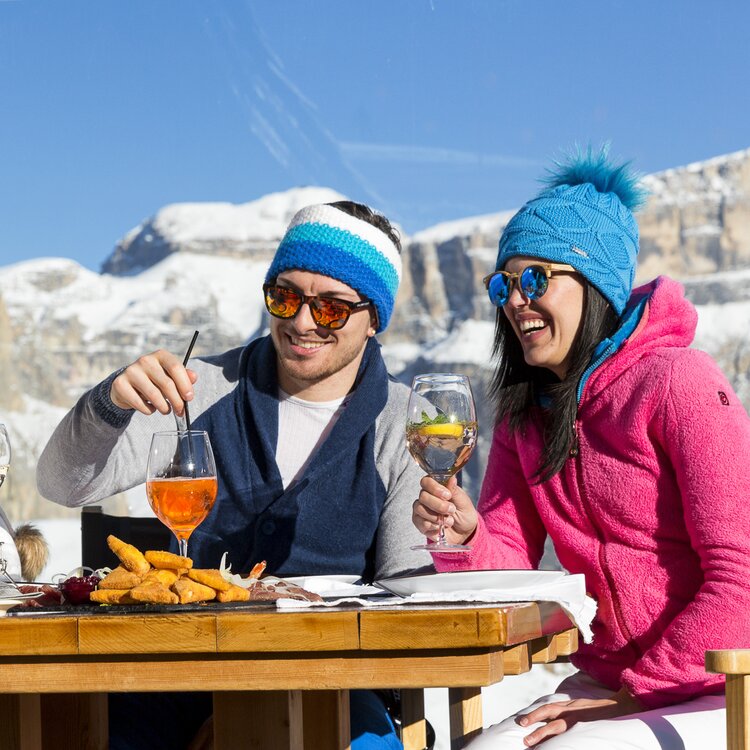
(443, 479)
(182, 545)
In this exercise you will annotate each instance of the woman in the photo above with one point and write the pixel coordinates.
(613, 437)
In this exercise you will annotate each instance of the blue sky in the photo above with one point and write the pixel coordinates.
(428, 110)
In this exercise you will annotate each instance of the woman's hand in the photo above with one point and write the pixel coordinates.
(154, 382)
(562, 715)
(452, 503)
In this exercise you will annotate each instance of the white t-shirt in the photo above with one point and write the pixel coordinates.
(303, 428)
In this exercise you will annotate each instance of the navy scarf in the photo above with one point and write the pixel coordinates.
(327, 521)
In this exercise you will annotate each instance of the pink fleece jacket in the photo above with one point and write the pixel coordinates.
(654, 509)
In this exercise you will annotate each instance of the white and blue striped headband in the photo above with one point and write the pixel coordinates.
(323, 239)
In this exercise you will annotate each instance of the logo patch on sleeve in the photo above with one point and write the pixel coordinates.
(723, 398)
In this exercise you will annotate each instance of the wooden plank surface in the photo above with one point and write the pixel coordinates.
(465, 708)
(269, 630)
(413, 724)
(403, 629)
(328, 671)
(20, 722)
(38, 636)
(75, 722)
(527, 622)
(147, 634)
(326, 720)
(517, 659)
(566, 643)
(258, 721)
(738, 712)
(293, 631)
(729, 661)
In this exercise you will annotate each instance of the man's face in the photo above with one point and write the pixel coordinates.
(311, 357)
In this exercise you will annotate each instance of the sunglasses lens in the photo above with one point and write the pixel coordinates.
(282, 302)
(499, 289)
(330, 313)
(534, 282)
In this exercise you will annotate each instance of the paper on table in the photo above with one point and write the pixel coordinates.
(568, 591)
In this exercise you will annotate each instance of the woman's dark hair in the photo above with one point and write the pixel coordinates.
(516, 387)
(360, 211)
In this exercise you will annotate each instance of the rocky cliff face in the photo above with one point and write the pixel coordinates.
(63, 328)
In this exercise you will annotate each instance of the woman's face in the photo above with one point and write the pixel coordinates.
(546, 327)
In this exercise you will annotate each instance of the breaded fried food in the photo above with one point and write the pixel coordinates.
(210, 577)
(234, 594)
(120, 578)
(161, 575)
(161, 559)
(112, 596)
(192, 591)
(130, 557)
(154, 593)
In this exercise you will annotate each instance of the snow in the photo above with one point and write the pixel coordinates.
(469, 343)
(718, 324)
(32, 427)
(486, 224)
(262, 220)
(103, 302)
(498, 701)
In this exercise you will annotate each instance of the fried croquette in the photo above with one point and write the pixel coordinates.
(154, 593)
(112, 596)
(130, 557)
(120, 578)
(161, 575)
(161, 559)
(192, 591)
(210, 577)
(234, 594)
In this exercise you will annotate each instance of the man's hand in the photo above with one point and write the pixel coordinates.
(154, 382)
(562, 715)
(452, 503)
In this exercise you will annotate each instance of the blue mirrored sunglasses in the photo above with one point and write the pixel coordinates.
(532, 281)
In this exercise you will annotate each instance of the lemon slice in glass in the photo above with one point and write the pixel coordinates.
(448, 429)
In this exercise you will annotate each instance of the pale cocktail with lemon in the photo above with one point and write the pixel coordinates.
(441, 432)
(441, 449)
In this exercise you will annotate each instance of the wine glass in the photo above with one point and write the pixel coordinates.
(4, 522)
(4, 453)
(181, 481)
(441, 432)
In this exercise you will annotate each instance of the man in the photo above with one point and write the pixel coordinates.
(306, 425)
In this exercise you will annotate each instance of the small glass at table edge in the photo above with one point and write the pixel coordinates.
(442, 548)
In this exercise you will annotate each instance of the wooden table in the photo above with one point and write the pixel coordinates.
(280, 679)
(735, 664)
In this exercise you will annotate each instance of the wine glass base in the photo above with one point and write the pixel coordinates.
(442, 548)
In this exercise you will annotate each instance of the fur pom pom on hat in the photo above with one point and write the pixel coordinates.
(584, 218)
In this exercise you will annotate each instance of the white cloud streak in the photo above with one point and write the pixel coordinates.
(431, 155)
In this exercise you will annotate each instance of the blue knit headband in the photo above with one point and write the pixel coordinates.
(322, 239)
(583, 219)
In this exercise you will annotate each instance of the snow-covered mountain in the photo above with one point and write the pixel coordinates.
(63, 328)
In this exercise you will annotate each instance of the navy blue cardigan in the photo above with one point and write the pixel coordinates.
(327, 521)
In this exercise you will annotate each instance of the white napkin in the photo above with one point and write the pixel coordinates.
(568, 591)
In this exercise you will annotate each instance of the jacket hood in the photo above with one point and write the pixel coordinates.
(667, 320)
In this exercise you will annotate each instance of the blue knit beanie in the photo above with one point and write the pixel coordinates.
(584, 218)
(326, 240)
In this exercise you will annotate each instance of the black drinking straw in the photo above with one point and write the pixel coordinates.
(184, 364)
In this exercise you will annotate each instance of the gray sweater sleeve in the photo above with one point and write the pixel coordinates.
(401, 476)
(99, 450)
